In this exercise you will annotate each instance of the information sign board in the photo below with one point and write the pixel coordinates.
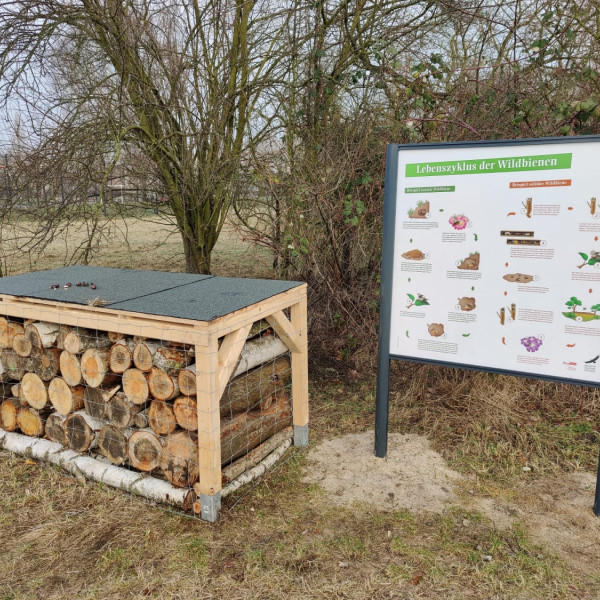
(491, 260)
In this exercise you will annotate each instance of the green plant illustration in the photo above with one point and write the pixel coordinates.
(580, 313)
(592, 259)
(420, 300)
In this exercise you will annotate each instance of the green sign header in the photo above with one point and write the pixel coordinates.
(431, 189)
(542, 162)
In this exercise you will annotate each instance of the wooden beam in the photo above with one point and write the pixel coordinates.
(209, 420)
(229, 353)
(283, 328)
(300, 364)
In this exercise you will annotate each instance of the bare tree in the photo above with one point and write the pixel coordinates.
(182, 83)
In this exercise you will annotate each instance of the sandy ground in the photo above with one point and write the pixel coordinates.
(556, 513)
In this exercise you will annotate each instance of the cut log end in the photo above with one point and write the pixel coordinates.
(144, 450)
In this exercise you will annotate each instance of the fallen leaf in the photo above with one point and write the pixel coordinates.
(504, 341)
(590, 290)
(570, 345)
(511, 214)
(417, 578)
(596, 239)
(506, 264)
(28, 461)
(569, 208)
(506, 293)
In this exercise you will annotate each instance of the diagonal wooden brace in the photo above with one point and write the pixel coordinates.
(284, 329)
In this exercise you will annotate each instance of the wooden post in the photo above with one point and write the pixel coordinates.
(300, 373)
(209, 428)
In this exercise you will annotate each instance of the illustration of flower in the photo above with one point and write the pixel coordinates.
(458, 221)
(531, 343)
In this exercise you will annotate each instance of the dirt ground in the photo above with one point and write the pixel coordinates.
(555, 512)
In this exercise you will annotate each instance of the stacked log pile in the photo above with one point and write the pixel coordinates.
(134, 400)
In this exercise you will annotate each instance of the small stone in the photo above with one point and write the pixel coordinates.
(342, 564)
(526, 469)
(487, 558)
(466, 522)
(93, 286)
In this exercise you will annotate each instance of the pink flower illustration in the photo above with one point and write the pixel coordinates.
(458, 221)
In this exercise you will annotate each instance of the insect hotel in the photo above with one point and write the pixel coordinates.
(173, 386)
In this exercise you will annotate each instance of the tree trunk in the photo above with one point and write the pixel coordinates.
(46, 362)
(121, 411)
(169, 358)
(63, 332)
(128, 481)
(64, 398)
(258, 387)
(186, 412)
(186, 379)
(121, 355)
(55, 429)
(96, 401)
(197, 260)
(254, 456)
(70, 368)
(15, 390)
(82, 431)
(247, 430)
(135, 386)
(95, 369)
(8, 330)
(41, 334)
(114, 337)
(145, 450)
(161, 417)
(113, 443)
(162, 385)
(32, 422)
(259, 351)
(15, 366)
(8, 414)
(34, 391)
(179, 459)
(79, 340)
(21, 345)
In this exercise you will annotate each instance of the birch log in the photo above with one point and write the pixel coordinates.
(186, 412)
(34, 391)
(70, 368)
(82, 431)
(32, 422)
(121, 355)
(179, 458)
(65, 398)
(113, 443)
(129, 481)
(254, 353)
(63, 332)
(253, 457)
(144, 450)
(15, 366)
(162, 385)
(79, 340)
(256, 388)
(46, 362)
(161, 417)
(168, 358)
(41, 334)
(8, 329)
(95, 369)
(135, 386)
(55, 429)
(121, 411)
(21, 345)
(96, 400)
(8, 413)
(247, 430)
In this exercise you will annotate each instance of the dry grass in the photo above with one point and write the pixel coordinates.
(64, 539)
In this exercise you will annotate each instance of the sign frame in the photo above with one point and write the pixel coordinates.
(387, 283)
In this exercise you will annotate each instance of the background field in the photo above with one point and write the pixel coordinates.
(516, 521)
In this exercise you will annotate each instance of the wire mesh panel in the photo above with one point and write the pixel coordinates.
(173, 420)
